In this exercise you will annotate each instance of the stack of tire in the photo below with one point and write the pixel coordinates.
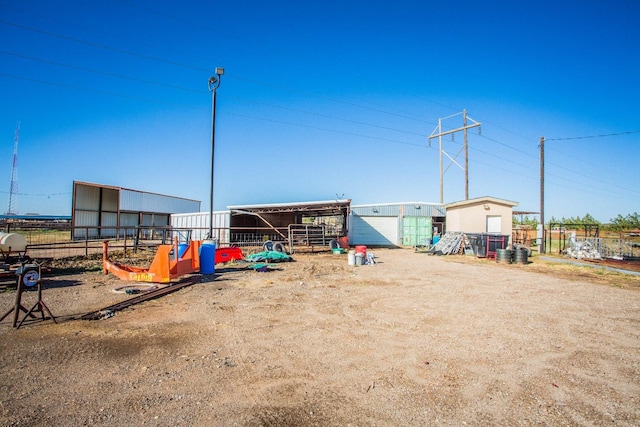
(521, 254)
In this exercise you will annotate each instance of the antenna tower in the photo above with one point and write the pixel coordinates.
(13, 192)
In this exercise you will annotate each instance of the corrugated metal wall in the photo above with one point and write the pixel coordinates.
(131, 200)
(129, 219)
(198, 223)
(400, 209)
(374, 230)
(87, 198)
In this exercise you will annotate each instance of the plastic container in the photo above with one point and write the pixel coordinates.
(351, 257)
(344, 242)
(359, 258)
(12, 242)
(361, 249)
(207, 257)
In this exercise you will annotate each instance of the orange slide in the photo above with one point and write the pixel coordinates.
(166, 265)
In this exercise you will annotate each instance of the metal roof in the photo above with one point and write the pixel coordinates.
(38, 217)
(400, 209)
(330, 206)
(484, 199)
(112, 187)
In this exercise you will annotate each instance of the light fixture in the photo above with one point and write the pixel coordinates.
(487, 207)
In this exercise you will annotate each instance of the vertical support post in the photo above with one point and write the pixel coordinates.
(213, 145)
(105, 256)
(466, 155)
(441, 171)
(214, 84)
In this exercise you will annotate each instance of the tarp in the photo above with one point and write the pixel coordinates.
(269, 256)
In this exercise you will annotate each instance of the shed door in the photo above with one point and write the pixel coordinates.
(374, 230)
(494, 224)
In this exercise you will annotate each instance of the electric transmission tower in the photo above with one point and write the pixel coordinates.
(439, 133)
(13, 192)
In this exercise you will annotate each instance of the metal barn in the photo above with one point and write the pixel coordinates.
(104, 211)
(298, 225)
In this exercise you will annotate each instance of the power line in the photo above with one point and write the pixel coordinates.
(593, 136)
(84, 89)
(101, 72)
(327, 129)
(101, 46)
(330, 116)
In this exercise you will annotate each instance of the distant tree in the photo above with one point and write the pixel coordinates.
(532, 221)
(629, 222)
(587, 219)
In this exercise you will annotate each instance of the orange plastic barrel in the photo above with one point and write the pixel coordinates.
(362, 250)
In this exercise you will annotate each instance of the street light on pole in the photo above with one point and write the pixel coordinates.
(214, 83)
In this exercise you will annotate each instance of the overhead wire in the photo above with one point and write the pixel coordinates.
(101, 72)
(593, 136)
(101, 46)
(327, 130)
(86, 89)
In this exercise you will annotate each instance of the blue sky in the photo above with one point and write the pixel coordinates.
(323, 99)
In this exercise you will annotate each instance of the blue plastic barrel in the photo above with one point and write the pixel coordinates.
(436, 239)
(207, 257)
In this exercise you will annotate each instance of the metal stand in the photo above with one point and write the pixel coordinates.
(39, 306)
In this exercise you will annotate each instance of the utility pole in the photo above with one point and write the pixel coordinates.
(13, 192)
(466, 155)
(543, 237)
(439, 133)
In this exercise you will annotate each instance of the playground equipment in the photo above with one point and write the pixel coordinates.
(170, 262)
(166, 265)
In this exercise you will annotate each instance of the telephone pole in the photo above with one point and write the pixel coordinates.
(439, 133)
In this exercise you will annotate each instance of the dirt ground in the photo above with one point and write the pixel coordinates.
(415, 339)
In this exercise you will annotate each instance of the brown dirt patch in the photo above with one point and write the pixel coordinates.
(412, 340)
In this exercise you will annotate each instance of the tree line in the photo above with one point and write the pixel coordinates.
(619, 223)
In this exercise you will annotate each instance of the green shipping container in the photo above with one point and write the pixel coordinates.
(416, 231)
